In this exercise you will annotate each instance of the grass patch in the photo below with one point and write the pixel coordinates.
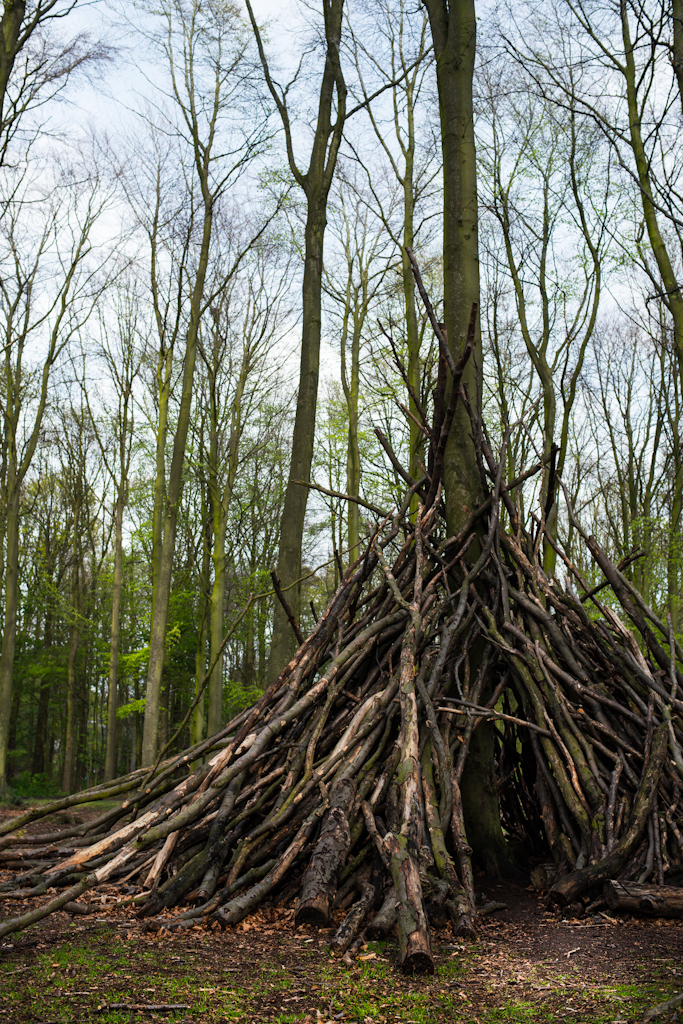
(223, 981)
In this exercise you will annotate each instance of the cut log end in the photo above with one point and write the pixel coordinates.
(418, 962)
(315, 912)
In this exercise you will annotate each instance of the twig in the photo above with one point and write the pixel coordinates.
(288, 611)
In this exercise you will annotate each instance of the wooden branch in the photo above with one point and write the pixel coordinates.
(344, 497)
(288, 611)
(403, 473)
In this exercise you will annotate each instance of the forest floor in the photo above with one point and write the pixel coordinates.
(528, 965)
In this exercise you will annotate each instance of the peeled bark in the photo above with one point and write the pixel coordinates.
(413, 929)
(403, 849)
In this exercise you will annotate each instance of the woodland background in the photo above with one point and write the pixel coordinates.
(152, 235)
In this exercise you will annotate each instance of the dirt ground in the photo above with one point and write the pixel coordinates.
(528, 965)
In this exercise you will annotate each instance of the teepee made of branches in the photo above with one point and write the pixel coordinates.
(342, 786)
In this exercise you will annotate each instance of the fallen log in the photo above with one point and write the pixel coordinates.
(319, 883)
(652, 900)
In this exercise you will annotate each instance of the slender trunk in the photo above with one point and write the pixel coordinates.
(262, 649)
(675, 551)
(3, 506)
(70, 741)
(164, 710)
(250, 652)
(39, 748)
(139, 722)
(550, 415)
(38, 761)
(215, 701)
(674, 300)
(198, 722)
(9, 636)
(353, 451)
(14, 720)
(160, 475)
(283, 642)
(83, 774)
(412, 332)
(315, 184)
(112, 696)
(220, 501)
(157, 645)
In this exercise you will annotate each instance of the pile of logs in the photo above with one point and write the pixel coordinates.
(341, 787)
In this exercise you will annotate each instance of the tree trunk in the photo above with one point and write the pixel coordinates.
(480, 802)
(157, 644)
(353, 450)
(677, 55)
(70, 741)
(38, 761)
(284, 643)
(164, 369)
(412, 332)
(319, 883)
(197, 728)
(453, 26)
(315, 184)
(39, 749)
(112, 695)
(215, 702)
(667, 273)
(9, 636)
(10, 30)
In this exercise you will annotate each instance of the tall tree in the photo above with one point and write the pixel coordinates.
(454, 31)
(247, 318)
(453, 26)
(315, 183)
(74, 474)
(121, 348)
(28, 256)
(399, 55)
(204, 48)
